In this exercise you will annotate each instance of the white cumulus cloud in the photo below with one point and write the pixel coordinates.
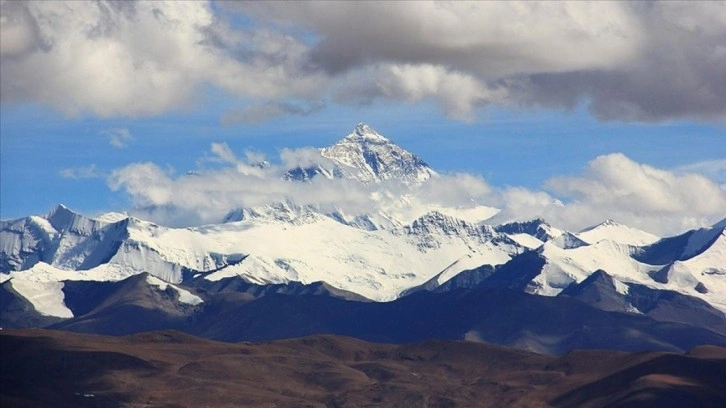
(611, 186)
(614, 186)
(136, 59)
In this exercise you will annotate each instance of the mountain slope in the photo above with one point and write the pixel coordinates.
(136, 304)
(607, 293)
(16, 311)
(616, 232)
(51, 368)
(62, 238)
(684, 246)
(537, 228)
(551, 325)
(700, 276)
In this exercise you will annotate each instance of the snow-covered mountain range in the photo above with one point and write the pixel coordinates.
(379, 256)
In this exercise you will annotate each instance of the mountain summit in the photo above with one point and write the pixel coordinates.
(614, 231)
(369, 157)
(365, 134)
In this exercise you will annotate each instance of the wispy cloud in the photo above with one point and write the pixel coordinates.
(81, 172)
(713, 169)
(263, 112)
(118, 137)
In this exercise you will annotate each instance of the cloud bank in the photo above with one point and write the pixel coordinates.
(610, 186)
(628, 61)
(614, 186)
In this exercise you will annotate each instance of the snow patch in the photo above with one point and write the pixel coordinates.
(43, 224)
(112, 217)
(46, 297)
(473, 215)
(621, 287)
(184, 295)
(526, 240)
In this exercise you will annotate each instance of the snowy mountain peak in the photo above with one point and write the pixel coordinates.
(112, 217)
(609, 223)
(538, 228)
(368, 156)
(57, 208)
(568, 240)
(63, 218)
(614, 231)
(365, 134)
(437, 218)
(60, 211)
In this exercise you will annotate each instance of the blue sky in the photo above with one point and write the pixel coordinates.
(518, 96)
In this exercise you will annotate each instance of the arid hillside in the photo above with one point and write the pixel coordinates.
(172, 369)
